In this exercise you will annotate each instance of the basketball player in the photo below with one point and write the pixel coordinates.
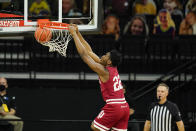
(115, 114)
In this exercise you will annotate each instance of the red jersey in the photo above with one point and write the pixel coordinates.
(112, 90)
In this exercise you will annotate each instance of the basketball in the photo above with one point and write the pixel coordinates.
(43, 35)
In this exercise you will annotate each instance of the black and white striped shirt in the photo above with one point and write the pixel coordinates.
(163, 116)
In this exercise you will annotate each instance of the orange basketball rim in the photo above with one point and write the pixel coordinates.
(60, 35)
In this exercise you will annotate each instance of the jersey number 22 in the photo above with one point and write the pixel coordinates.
(117, 83)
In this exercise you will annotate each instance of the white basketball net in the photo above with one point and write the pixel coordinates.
(59, 41)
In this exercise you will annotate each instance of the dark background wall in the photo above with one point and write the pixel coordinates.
(56, 100)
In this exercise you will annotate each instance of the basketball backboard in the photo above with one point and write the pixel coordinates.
(20, 16)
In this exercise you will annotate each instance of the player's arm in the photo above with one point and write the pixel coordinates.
(147, 125)
(98, 68)
(180, 126)
(87, 46)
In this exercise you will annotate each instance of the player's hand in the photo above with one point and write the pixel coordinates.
(75, 27)
(72, 29)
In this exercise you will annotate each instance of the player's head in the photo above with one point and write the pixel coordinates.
(112, 58)
(162, 91)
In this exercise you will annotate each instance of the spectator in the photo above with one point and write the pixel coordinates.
(131, 126)
(164, 25)
(173, 6)
(40, 7)
(163, 115)
(188, 25)
(147, 7)
(136, 26)
(69, 8)
(8, 106)
(190, 6)
(111, 26)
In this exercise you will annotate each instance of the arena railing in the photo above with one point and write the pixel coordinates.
(159, 55)
(169, 76)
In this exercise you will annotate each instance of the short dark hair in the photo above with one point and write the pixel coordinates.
(115, 57)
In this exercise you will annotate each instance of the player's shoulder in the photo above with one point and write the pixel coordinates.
(112, 70)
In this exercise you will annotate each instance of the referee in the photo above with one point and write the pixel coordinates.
(163, 115)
